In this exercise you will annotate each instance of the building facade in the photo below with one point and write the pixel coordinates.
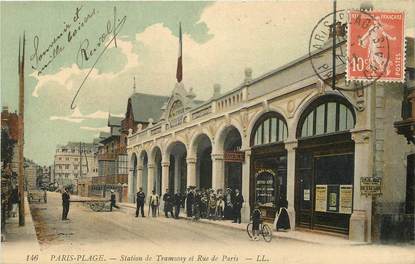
(73, 162)
(284, 136)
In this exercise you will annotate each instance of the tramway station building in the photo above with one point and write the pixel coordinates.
(286, 135)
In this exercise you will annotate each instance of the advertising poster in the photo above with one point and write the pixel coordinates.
(321, 198)
(346, 199)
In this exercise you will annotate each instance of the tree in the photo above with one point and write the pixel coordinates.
(7, 145)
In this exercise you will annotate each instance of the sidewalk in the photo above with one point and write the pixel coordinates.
(298, 235)
(19, 238)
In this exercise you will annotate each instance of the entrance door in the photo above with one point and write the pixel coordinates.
(333, 189)
(324, 191)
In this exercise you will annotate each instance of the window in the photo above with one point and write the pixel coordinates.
(327, 117)
(122, 164)
(67, 166)
(270, 129)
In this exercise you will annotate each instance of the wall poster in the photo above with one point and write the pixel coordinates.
(321, 198)
(346, 199)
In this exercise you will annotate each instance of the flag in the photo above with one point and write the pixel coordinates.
(179, 72)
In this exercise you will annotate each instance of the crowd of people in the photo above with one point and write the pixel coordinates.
(198, 203)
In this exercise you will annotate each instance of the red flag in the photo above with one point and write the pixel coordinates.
(179, 72)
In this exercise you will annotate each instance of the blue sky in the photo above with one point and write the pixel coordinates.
(220, 40)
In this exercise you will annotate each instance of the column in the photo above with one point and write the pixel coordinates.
(291, 149)
(191, 171)
(150, 179)
(218, 171)
(360, 224)
(164, 181)
(139, 182)
(131, 186)
(246, 172)
(176, 174)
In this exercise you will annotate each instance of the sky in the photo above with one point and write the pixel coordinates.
(220, 40)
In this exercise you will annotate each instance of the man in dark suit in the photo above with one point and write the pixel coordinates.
(113, 201)
(189, 202)
(238, 200)
(168, 204)
(177, 204)
(141, 197)
(66, 198)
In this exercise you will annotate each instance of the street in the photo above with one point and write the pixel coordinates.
(120, 237)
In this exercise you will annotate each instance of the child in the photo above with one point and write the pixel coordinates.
(256, 220)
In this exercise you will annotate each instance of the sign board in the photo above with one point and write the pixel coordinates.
(265, 187)
(321, 198)
(306, 196)
(370, 186)
(234, 156)
(346, 199)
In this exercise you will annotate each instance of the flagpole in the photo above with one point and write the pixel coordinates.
(21, 135)
(333, 81)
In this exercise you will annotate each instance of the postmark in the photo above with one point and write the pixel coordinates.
(320, 43)
(375, 46)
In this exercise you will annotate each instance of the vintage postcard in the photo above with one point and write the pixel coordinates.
(207, 132)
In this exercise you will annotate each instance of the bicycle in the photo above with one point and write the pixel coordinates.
(264, 230)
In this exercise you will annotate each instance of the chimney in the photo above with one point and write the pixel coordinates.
(216, 90)
(248, 74)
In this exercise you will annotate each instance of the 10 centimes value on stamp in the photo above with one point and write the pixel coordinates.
(376, 46)
(364, 49)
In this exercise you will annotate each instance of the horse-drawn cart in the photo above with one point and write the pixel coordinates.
(37, 196)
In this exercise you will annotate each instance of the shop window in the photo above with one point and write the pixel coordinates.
(269, 129)
(327, 117)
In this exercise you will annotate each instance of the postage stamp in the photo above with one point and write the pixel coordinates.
(376, 46)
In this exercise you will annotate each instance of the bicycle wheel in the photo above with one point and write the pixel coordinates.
(249, 230)
(266, 233)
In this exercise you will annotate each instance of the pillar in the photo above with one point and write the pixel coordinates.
(291, 147)
(246, 172)
(218, 171)
(139, 182)
(130, 186)
(150, 179)
(359, 227)
(177, 173)
(191, 171)
(165, 165)
(164, 176)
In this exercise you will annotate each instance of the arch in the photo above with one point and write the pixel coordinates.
(259, 114)
(153, 151)
(325, 114)
(221, 134)
(270, 127)
(192, 151)
(176, 154)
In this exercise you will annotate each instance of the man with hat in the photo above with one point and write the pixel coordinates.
(113, 200)
(189, 201)
(66, 198)
(141, 197)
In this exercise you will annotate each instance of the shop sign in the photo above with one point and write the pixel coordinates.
(321, 198)
(370, 186)
(264, 187)
(346, 199)
(234, 156)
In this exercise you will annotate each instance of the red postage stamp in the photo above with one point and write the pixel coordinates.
(376, 46)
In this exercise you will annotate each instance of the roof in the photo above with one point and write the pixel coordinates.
(103, 135)
(114, 120)
(145, 106)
